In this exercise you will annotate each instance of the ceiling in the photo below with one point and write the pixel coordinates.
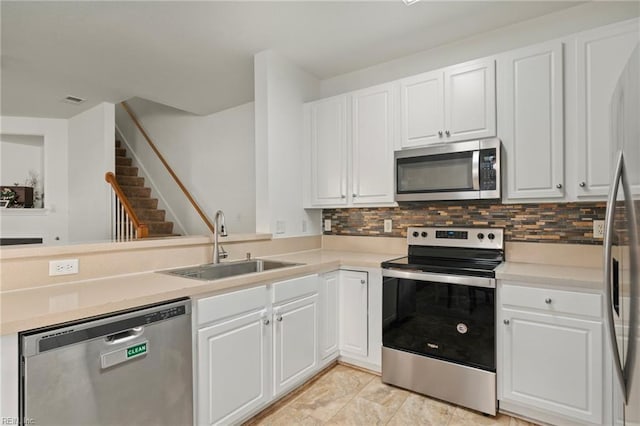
(198, 56)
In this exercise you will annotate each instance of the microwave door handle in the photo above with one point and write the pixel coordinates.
(475, 170)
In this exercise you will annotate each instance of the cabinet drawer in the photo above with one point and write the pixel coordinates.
(230, 304)
(297, 287)
(553, 301)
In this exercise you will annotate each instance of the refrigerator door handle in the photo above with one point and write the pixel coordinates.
(608, 237)
(634, 284)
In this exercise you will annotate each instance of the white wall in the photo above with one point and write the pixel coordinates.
(213, 156)
(91, 155)
(281, 88)
(547, 27)
(51, 224)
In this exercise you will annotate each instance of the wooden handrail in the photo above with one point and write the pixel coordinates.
(175, 177)
(141, 228)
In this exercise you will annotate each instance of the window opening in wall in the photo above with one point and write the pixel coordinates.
(22, 171)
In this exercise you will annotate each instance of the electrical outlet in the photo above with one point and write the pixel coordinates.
(598, 229)
(280, 227)
(327, 225)
(63, 267)
(388, 224)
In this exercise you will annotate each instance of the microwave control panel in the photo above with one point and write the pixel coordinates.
(488, 172)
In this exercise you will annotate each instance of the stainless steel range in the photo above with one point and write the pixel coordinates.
(438, 332)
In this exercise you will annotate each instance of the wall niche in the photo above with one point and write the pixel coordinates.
(22, 171)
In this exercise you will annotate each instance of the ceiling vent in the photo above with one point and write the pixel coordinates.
(73, 100)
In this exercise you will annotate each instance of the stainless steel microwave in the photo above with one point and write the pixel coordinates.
(449, 171)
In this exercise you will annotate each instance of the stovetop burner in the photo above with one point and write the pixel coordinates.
(453, 251)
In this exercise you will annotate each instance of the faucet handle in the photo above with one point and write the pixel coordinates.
(222, 253)
(248, 255)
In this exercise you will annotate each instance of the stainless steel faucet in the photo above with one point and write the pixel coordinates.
(220, 230)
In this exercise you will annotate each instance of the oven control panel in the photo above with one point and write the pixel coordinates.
(490, 238)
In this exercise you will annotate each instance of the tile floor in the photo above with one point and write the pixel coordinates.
(347, 396)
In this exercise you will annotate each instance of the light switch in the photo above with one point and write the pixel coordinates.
(388, 224)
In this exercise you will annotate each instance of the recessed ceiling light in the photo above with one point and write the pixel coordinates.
(75, 100)
(410, 2)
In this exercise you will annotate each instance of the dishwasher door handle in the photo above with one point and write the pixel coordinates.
(124, 336)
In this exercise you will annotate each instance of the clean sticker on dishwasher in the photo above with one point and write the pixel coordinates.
(137, 350)
(118, 356)
(462, 328)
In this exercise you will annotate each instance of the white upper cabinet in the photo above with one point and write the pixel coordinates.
(350, 148)
(422, 107)
(531, 120)
(452, 104)
(372, 145)
(327, 130)
(601, 56)
(470, 101)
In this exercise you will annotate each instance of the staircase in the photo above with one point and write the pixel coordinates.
(145, 207)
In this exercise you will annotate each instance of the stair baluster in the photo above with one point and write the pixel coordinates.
(125, 224)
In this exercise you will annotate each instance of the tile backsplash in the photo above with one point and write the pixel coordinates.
(569, 223)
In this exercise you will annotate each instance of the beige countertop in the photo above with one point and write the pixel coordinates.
(552, 276)
(43, 306)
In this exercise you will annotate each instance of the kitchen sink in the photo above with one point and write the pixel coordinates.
(216, 271)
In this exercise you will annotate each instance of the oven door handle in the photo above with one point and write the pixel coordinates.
(439, 278)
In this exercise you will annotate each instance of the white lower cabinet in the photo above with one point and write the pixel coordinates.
(551, 354)
(255, 345)
(295, 338)
(354, 324)
(329, 319)
(233, 368)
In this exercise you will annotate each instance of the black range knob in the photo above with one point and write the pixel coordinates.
(415, 234)
(424, 234)
(491, 236)
(480, 236)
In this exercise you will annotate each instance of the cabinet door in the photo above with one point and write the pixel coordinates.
(295, 342)
(601, 56)
(531, 120)
(329, 316)
(354, 310)
(233, 369)
(372, 145)
(553, 363)
(422, 109)
(470, 101)
(328, 151)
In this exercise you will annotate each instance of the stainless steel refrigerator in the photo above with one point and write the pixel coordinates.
(621, 250)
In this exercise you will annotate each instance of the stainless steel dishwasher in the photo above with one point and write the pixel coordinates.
(130, 368)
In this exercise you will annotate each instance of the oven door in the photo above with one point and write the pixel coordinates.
(448, 317)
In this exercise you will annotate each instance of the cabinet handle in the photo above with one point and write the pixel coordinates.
(279, 318)
(583, 184)
(559, 186)
(547, 301)
(343, 196)
(506, 322)
(448, 133)
(354, 195)
(363, 282)
(440, 133)
(266, 322)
